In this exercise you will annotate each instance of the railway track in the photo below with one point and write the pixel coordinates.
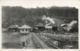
(38, 42)
(49, 43)
(30, 44)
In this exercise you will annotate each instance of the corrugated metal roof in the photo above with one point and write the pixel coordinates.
(25, 26)
(48, 26)
(13, 26)
(40, 24)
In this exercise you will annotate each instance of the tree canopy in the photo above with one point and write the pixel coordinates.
(32, 16)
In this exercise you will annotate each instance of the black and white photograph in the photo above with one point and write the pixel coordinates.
(39, 24)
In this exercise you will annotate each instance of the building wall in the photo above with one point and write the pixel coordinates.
(24, 30)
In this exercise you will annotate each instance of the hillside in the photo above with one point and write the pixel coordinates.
(32, 16)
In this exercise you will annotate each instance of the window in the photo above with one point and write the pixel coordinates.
(26, 29)
(22, 29)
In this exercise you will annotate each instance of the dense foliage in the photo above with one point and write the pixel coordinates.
(32, 16)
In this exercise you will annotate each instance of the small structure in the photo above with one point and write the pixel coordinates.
(51, 28)
(13, 28)
(48, 28)
(40, 26)
(25, 29)
(54, 27)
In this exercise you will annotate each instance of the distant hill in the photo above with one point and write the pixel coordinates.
(32, 16)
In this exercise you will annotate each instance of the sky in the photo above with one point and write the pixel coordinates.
(40, 3)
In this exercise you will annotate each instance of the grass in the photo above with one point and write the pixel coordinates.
(68, 36)
(12, 40)
(65, 39)
(12, 45)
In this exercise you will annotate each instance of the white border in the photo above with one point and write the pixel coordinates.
(78, 6)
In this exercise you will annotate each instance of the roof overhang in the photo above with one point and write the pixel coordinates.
(48, 26)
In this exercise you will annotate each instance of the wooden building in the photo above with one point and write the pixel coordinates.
(25, 29)
(48, 28)
(40, 27)
(13, 28)
(54, 27)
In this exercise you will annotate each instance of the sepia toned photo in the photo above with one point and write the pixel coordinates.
(30, 25)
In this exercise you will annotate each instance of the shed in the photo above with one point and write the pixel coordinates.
(13, 28)
(40, 26)
(48, 28)
(54, 27)
(25, 29)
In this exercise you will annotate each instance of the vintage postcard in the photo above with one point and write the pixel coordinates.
(40, 24)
